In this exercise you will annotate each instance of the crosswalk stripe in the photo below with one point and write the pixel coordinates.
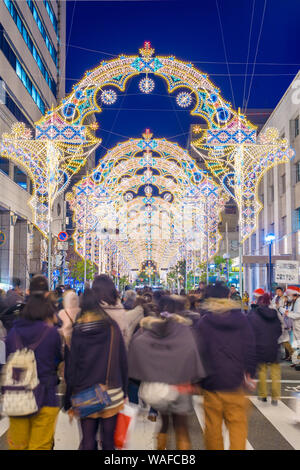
(282, 418)
(198, 407)
(4, 424)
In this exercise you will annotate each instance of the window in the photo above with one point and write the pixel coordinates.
(4, 165)
(20, 178)
(298, 218)
(271, 193)
(21, 27)
(283, 226)
(296, 123)
(45, 36)
(51, 16)
(15, 63)
(283, 185)
(297, 172)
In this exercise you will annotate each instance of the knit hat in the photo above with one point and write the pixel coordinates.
(293, 290)
(258, 292)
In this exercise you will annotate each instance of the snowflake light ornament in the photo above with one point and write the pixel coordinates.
(146, 85)
(109, 96)
(183, 99)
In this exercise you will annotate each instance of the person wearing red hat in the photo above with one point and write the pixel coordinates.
(279, 303)
(293, 293)
(256, 294)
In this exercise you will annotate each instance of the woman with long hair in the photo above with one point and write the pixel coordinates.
(108, 298)
(36, 432)
(97, 356)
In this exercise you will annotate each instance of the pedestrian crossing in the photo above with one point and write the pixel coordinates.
(270, 428)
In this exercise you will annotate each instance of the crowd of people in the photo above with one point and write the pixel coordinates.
(150, 348)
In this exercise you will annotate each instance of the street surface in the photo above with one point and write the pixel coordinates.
(270, 427)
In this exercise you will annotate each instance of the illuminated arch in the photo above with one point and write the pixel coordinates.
(124, 183)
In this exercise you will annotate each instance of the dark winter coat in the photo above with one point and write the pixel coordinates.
(88, 360)
(48, 355)
(227, 343)
(267, 329)
(165, 350)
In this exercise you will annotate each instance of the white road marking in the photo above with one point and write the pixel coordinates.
(282, 418)
(4, 425)
(67, 435)
(283, 381)
(198, 407)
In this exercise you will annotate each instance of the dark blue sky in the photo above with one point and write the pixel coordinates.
(193, 31)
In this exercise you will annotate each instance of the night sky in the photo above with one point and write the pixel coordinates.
(213, 35)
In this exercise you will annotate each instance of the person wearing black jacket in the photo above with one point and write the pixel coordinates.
(267, 329)
(97, 356)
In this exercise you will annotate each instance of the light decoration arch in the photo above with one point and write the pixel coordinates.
(168, 194)
(65, 136)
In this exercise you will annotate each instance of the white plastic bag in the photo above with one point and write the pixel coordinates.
(158, 395)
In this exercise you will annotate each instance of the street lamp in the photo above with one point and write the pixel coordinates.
(269, 239)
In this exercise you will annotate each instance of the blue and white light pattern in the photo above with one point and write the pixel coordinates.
(184, 99)
(146, 85)
(109, 96)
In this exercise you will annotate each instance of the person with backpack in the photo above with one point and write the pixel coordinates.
(96, 373)
(29, 377)
(163, 356)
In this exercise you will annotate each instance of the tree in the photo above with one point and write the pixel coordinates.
(76, 269)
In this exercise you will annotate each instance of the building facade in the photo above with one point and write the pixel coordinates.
(279, 191)
(32, 80)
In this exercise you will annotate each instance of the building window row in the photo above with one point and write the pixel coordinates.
(20, 71)
(40, 25)
(21, 27)
(29, 86)
(51, 16)
(14, 108)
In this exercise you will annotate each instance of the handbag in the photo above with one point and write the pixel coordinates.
(95, 398)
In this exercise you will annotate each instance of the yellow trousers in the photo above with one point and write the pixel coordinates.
(232, 407)
(262, 380)
(35, 432)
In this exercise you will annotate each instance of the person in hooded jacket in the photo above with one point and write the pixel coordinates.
(267, 330)
(164, 352)
(97, 356)
(228, 348)
(36, 432)
(68, 314)
(134, 312)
